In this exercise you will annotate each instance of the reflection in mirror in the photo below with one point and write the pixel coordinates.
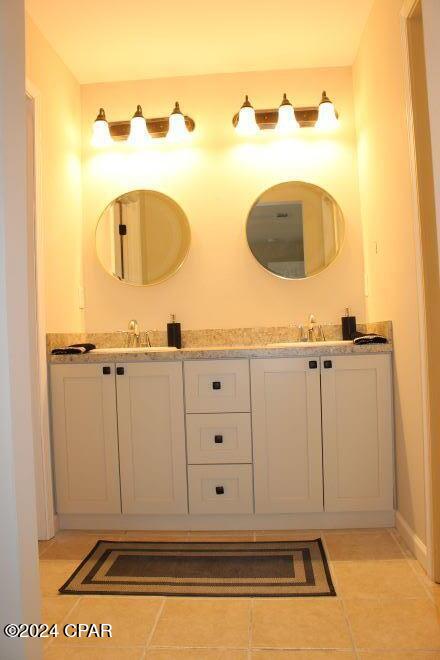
(142, 237)
(295, 230)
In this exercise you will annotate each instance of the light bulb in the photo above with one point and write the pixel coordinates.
(287, 122)
(327, 119)
(101, 134)
(139, 135)
(177, 129)
(247, 124)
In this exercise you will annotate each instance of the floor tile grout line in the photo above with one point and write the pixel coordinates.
(378, 649)
(422, 581)
(50, 542)
(251, 621)
(402, 545)
(64, 619)
(350, 631)
(156, 621)
(409, 558)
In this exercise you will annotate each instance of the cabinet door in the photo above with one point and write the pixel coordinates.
(152, 438)
(357, 433)
(85, 438)
(286, 420)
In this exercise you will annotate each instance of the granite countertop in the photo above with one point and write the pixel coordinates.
(221, 352)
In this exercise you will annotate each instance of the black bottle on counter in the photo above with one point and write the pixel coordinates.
(174, 333)
(348, 326)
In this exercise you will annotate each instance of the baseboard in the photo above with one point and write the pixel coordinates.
(414, 543)
(341, 520)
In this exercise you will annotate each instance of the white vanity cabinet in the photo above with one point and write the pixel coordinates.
(357, 428)
(85, 438)
(286, 422)
(250, 443)
(152, 437)
(323, 434)
(141, 404)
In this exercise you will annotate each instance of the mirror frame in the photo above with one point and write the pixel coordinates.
(283, 277)
(169, 275)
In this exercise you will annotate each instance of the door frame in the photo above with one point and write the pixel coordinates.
(42, 446)
(424, 555)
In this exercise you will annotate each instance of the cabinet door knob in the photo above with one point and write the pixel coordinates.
(219, 490)
(216, 385)
(313, 364)
(328, 364)
(218, 439)
(106, 371)
(120, 371)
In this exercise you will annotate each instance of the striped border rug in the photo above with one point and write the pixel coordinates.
(267, 569)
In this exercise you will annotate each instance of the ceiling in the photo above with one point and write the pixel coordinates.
(110, 40)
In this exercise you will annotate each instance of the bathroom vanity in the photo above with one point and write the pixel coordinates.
(240, 438)
(254, 435)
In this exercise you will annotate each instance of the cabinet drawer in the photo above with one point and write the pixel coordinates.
(217, 386)
(219, 438)
(220, 489)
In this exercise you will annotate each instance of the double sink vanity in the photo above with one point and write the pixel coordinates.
(281, 435)
(245, 428)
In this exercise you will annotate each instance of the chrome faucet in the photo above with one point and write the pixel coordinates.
(314, 330)
(311, 328)
(134, 333)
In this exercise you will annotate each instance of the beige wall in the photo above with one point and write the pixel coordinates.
(424, 76)
(216, 180)
(59, 100)
(389, 238)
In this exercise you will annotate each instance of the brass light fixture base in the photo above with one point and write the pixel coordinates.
(157, 127)
(267, 119)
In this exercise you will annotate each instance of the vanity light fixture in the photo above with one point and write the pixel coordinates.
(246, 123)
(139, 130)
(101, 133)
(177, 128)
(286, 118)
(139, 135)
(327, 117)
(287, 122)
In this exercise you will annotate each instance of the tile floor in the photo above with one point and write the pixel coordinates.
(386, 608)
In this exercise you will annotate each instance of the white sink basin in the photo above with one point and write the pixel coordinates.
(293, 344)
(140, 349)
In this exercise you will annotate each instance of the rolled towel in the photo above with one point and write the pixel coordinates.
(74, 349)
(370, 338)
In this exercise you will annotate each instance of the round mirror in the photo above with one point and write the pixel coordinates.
(142, 237)
(295, 230)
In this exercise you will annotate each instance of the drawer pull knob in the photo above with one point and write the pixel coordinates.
(328, 364)
(219, 490)
(120, 371)
(216, 385)
(313, 364)
(106, 371)
(218, 439)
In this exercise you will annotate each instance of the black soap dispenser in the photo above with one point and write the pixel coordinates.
(174, 333)
(348, 325)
